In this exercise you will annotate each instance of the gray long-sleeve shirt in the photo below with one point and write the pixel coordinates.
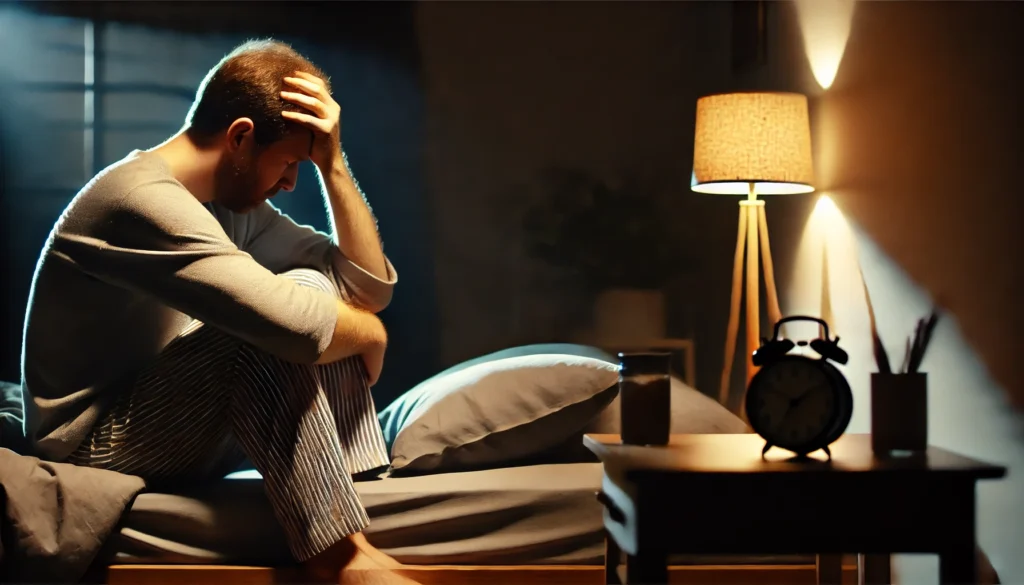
(133, 259)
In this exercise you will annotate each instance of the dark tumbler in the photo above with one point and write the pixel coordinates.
(645, 396)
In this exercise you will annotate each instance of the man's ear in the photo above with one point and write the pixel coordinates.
(239, 131)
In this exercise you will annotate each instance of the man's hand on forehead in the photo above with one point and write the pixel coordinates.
(324, 118)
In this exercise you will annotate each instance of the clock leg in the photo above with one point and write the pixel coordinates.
(767, 447)
(827, 452)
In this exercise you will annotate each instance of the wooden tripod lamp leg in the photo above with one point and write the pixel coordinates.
(753, 286)
(774, 313)
(734, 309)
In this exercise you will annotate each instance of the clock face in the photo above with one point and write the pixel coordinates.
(793, 403)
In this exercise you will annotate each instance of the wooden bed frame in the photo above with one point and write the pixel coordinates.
(478, 575)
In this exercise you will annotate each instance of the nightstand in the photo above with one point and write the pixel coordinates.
(715, 494)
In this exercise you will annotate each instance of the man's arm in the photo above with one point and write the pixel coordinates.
(355, 230)
(352, 223)
(357, 332)
(280, 244)
(177, 253)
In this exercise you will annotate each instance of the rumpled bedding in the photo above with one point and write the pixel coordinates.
(54, 517)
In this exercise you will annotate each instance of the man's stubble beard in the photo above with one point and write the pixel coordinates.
(235, 187)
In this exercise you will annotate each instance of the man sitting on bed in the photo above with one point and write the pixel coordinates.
(180, 325)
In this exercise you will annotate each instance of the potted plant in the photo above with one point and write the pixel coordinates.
(623, 240)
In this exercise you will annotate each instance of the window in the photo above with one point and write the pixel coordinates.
(78, 96)
(83, 94)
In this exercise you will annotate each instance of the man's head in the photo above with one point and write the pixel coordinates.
(238, 111)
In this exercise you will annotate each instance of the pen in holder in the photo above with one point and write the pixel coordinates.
(899, 400)
(899, 412)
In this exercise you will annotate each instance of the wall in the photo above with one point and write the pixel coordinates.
(605, 87)
(915, 143)
(919, 144)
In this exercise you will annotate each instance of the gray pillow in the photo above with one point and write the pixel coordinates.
(496, 410)
(397, 413)
(692, 413)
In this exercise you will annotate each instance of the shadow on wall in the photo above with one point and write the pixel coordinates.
(82, 95)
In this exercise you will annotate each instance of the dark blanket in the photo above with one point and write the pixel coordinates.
(54, 517)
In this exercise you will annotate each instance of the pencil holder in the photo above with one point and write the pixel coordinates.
(899, 412)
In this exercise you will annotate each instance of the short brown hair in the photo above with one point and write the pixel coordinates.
(247, 83)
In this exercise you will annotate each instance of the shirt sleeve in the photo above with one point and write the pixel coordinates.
(279, 243)
(178, 253)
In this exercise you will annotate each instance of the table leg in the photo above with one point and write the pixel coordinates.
(876, 569)
(958, 566)
(647, 569)
(612, 555)
(829, 569)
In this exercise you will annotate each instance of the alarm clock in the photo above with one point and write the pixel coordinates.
(797, 402)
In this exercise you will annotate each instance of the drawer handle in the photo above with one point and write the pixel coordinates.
(609, 505)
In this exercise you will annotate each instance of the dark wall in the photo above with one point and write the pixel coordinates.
(603, 87)
(151, 58)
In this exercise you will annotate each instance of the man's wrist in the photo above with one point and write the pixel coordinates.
(337, 167)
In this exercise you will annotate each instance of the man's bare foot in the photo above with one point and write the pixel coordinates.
(353, 561)
(364, 546)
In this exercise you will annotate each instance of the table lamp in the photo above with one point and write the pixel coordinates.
(752, 143)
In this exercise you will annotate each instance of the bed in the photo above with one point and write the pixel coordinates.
(507, 525)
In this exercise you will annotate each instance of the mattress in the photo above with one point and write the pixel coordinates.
(540, 514)
(529, 515)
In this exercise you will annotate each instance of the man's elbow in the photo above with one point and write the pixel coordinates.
(362, 288)
(374, 303)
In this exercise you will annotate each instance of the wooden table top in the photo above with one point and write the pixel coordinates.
(741, 453)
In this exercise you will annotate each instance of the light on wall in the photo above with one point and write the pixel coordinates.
(825, 27)
(749, 144)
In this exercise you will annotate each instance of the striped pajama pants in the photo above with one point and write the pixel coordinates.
(210, 402)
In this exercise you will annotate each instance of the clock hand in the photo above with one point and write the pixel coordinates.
(794, 402)
(802, 396)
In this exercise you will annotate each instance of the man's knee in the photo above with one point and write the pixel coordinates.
(313, 279)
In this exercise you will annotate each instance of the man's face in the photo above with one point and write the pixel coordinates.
(249, 175)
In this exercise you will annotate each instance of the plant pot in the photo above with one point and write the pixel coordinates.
(624, 314)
